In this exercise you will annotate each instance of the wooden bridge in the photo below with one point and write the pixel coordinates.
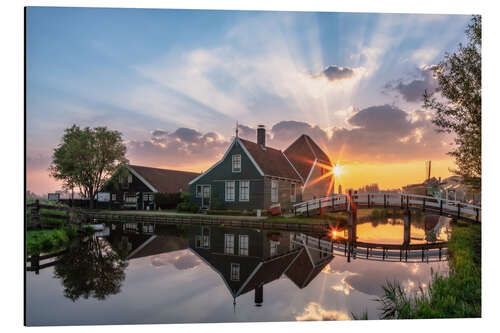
(376, 252)
(344, 202)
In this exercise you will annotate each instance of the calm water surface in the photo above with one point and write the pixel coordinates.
(135, 273)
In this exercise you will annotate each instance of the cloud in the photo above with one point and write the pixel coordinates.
(314, 311)
(334, 73)
(376, 134)
(179, 148)
(186, 260)
(413, 90)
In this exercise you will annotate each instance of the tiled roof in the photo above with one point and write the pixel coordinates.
(302, 154)
(165, 180)
(271, 161)
(270, 270)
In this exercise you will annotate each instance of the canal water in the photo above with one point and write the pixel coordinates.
(146, 273)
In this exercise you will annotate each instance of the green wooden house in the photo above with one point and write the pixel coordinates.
(254, 176)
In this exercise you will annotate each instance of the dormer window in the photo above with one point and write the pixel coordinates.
(236, 163)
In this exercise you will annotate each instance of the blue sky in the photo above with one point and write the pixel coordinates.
(175, 82)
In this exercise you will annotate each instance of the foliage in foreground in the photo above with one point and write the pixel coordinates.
(459, 78)
(457, 295)
(45, 241)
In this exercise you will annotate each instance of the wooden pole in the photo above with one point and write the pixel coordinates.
(385, 201)
(423, 208)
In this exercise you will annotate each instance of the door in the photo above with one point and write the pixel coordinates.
(205, 196)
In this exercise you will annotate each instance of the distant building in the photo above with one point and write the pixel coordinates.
(428, 187)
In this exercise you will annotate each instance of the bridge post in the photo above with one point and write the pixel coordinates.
(333, 203)
(319, 206)
(407, 202)
(401, 201)
(441, 207)
(307, 208)
(423, 208)
(477, 214)
(368, 200)
(458, 205)
(385, 200)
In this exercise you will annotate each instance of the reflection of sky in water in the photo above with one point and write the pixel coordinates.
(177, 287)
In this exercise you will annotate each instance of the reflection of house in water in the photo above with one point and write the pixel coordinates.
(248, 259)
(307, 265)
(137, 240)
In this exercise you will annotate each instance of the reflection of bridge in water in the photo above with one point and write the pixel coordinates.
(342, 202)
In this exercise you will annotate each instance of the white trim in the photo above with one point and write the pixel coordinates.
(239, 190)
(309, 176)
(273, 181)
(214, 269)
(135, 173)
(216, 164)
(226, 192)
(250, 157)
(298, 174)
(150, 239)
(249, 278)
(232, 163)
(231, 271)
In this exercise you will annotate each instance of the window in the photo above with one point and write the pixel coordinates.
(293, 192)
(235, 272)
(197, 241)
(198, 191)
(229, 244)
(244, 190)
(243, 245)
(274, 191)
(206, 241)
(113, 197)
(129, 178)
(236, 163)
(230, 190)
(273, 248)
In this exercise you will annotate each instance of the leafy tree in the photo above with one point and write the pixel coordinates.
(91, 269)
(458, 108)
(87, 158)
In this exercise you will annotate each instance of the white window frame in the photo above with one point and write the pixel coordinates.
(229, 245)
(274, 191)
(235, 272)
(273, 248)
(236, 159)
(244, 197)
(227, 189)
(293, 192)
(243, 240)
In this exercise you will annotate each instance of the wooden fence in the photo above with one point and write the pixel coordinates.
(37, 218)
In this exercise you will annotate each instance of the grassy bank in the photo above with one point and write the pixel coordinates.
(49, 240)
(46, 241)
(457, 295)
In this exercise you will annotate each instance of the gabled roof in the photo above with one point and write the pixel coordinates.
(271, 161)
(303, 152)
(304, 269)
(163, 180)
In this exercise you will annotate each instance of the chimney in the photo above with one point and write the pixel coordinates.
(259, 295)
(261, 135)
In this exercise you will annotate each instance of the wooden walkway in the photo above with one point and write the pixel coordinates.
(341, 202)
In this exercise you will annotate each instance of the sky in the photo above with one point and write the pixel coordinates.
(175, 82)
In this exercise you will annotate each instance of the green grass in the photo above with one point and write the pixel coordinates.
(457, 295)
(46, 241)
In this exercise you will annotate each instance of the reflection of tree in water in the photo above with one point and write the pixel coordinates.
(92, 269)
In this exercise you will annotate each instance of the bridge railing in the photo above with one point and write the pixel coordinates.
(393, 200)
(338, 201)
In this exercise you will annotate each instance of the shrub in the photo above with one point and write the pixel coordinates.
(187, 207)
(167, 200)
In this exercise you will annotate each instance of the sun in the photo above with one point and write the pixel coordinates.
(338, 170)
